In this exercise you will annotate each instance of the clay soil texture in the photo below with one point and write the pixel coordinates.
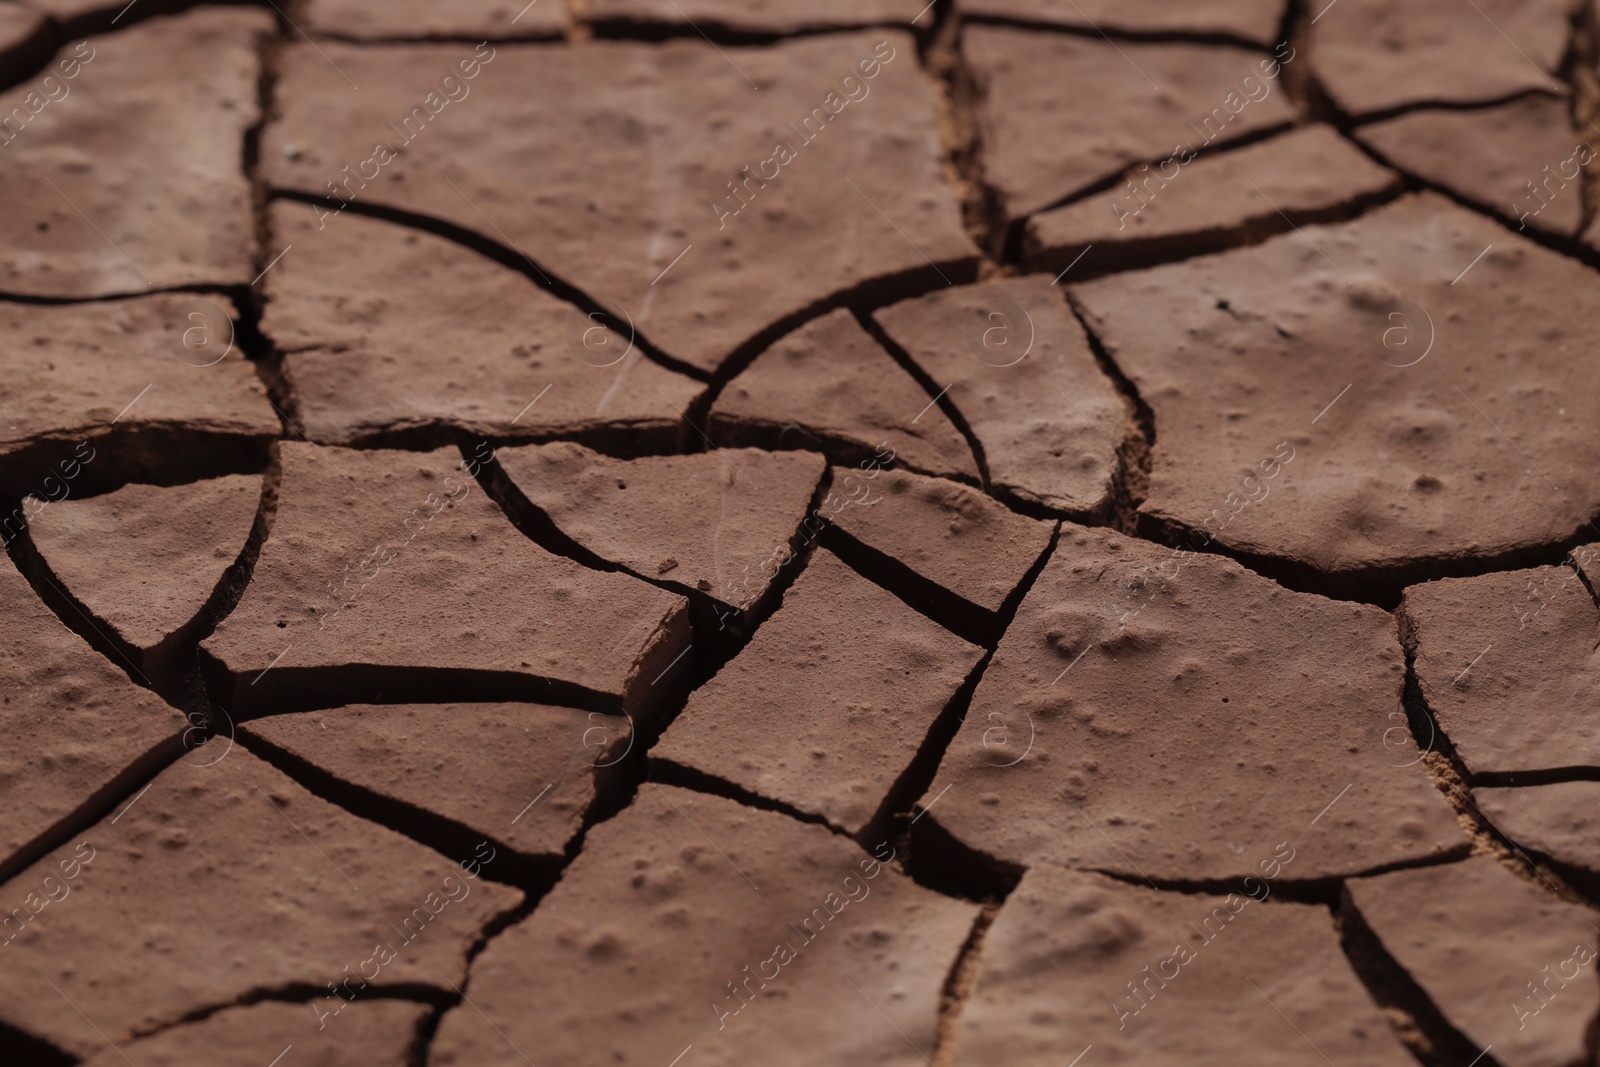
(700, 533)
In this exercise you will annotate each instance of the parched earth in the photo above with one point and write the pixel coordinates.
(698, 533)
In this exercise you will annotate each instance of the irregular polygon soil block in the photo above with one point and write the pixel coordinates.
(145, 560)
(96, 387)
(1506, 963)
(1145, 977)
(1251, 20)
(1043, 143)
(733, 175)
(1507, 664)
(1180, 206)
(78, 729)
(493, 20)
(522, 775)
(1328, 345)
(765, 16)
(927, 530)
(764, 925)
(246, 882)
(389, 330)
(129, 148)
(1177, 717)
(1017, 366)
(368, 1031)
(828, 704)
(1372, 55)
(829, 386)
(456, 596)
(1521, 160)
(704, 522)
(1559, 820)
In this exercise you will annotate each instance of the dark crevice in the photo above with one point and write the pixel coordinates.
(892, 821)
(1368, 118)
(302, 993)
(620, 441)
(151, 453)
(669, 772)
(386, 40)
(277, 689)
(959, 99)
(452, 839)
(20, 1049)
(510, 258)
(102, 803)
(1206, 150)
(741, 432)
(861, 299)
(957, 419)
(958, 986)
(1381, 585)
(1102, 33)
(1143, 253)
(624, 28)
(955, 613)
(1417, 1021)
(1131, 485)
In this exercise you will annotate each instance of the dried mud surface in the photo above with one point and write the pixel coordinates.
(701, 533)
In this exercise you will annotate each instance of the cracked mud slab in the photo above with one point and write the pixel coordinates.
(1507, 664)
(1174, 718)
(1251, 20)
(695, 532)
(1501, 959)
(388, 570)
(1155, 96)
(112, 152)
(853, 722)
(1145, 977)
(1178, 206)
(871, 162)
(766, 16)
(717, 895)
(173, 547)
(1017, 367)
(381, 1031)
(1521, 160)
(1373, 56)
(297, 886)
(373, 317)
(830, 387)
(1306, 410)
(100, 387)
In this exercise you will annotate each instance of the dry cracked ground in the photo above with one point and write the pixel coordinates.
(695, 533)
